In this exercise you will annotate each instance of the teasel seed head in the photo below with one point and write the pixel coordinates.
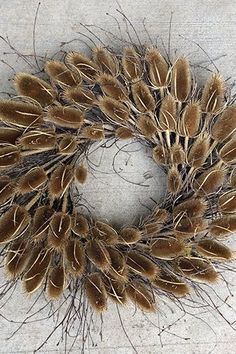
(56, 281)
(131, 63)
(192, 207)
(160, 155)
(214, 250)
(65, 117)
(82, 65)
(167, 115)
(59, 230)
(79, 225)
(129, 235)
(116, 291)
(168, 281)
(174, 180)
(79, 96)
(96, 292)
(60, 74)
(213, 94)
(105, 233)
(36, 269)
(124, 133)
(114, 110)
(167, 248)
(13, 222)
(209, 181)
(9, 135)
(225, 125)
(98, 254)
(60, 180)
(105, 60)
(142, 265)
(8, 189)
(118, 269)
(197, 269)
(227, 202)
(67, 145)
(40, 223)
(223, 227)
(33, 180)
(81, 173)
(31, 86)
(190, 120)
(140, 295)
(75, 259)
(157, 68)
(142, 96)
(38, 139)
(112, 87)
(199, 151)
(146, 125)
(93, 132)
(228, 152)
(181, 80)
(18, 254)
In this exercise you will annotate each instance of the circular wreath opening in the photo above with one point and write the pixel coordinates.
(46, 131)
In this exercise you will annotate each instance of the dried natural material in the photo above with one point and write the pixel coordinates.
(50, 239)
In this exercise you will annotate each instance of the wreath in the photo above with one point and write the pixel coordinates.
(46, 130)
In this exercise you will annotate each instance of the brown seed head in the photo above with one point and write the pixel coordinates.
(65, 117)
(167, 115)
(75, 257)
(59, 230)
(181, 80)
(60, 74)
(169, 282)
(82, 65)
(190, 120)
(225, 125)
(56, 281)
(33, 180)
(105, 60)
(132, 65)
(96, 292)
(35, 88)
(143, 99)
(197, 269)
(166, 248)
(141, 296)
(213, 94)
(80, 96)
(112, 87)
(146, 125)
(142, 265)
(157, 68)
(214, 250)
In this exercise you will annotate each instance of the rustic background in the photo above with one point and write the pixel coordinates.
(196, 23)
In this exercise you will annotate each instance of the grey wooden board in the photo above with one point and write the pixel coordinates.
(211, 24)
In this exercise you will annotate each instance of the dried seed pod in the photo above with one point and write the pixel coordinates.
(106, 61)
(17, 257)
(85, 67)
(79, 225)
(33, 180)
(7, 189)
(227, 202)
(142, 265)
(36, 270)
(213, 94)
(56, 281)
(20, 114)
(223, 227)
(233, 178)
(174, 180)
(40, 224)
(98, 254)
(161, 215)
(67, 145)
(129, 235)
(60, 74)
(228, 152)
(59, 230)
(13, 222)
(80, 96)
(93, 132)
(116, 291)
(112, 87)
(9, 135)
(60, 181)
(177, 154)
(75, 257)
(143, 99)
(118, 269)
(65, 117)
(186, 227)
(181, 79)
(214, 250)
(43, 140)
(105, 233)
(169, 282)
(197, 269)
(141, 296)
(35, 88)
(225, 125)
(146, 125)
(158, 68)
(114, 109)
(192, 207)
(81, 173)
(199, 151)
(131, 63)
(96, 292)
(167, 248)
(160, 155)
(124, 133)
(167, 114)
(152, 228)
(190, 120)
(209, 181)
(9, 155)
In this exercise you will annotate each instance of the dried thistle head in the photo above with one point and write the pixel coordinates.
(213, 94)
